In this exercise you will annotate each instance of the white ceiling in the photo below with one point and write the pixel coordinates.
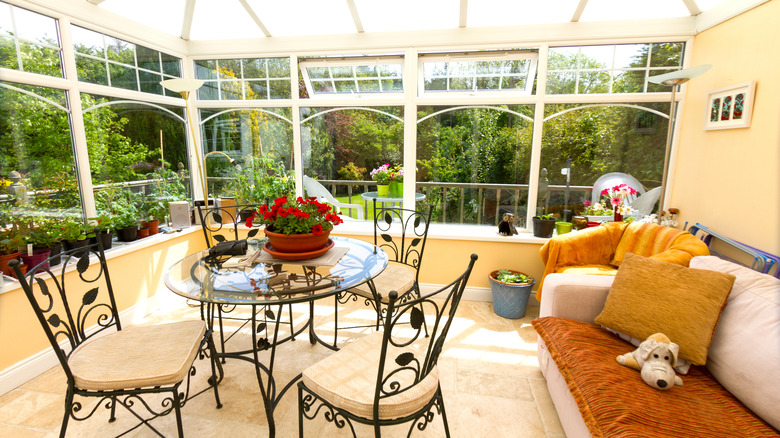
(234, 19)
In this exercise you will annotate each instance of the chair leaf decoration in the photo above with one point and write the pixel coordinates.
(260, 327)
(83, 263)
(253, 232)
(219, 238)
(416, 318)
(89, 297)
(404, 359)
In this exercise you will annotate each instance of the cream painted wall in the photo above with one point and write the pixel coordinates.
(723, 177)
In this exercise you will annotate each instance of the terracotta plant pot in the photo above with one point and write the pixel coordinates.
(4, 259)
(143, 232)
(297, 242)
(22, 267)
(153, 225)
(38, 256)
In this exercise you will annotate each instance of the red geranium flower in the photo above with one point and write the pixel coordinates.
(317, 229)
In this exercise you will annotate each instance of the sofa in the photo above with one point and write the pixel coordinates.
(735, 393)
(600, 250)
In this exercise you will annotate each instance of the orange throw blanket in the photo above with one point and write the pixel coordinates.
(600, 250)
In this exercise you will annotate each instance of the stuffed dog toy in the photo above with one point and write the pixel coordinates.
(655, 358)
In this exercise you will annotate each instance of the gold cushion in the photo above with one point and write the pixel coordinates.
(137, 357)
(650, 296)
(347, 379)
(397, 277)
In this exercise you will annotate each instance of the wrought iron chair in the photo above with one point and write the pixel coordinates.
(220, 224)
(390, 376)
(404, 251)
(100, 358)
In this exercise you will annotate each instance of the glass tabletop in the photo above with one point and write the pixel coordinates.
(375, 195)
(205, 278)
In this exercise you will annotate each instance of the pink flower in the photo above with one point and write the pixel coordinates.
(587, 203)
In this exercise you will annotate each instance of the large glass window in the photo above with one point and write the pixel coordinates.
(473, 163)
(244, 79)
(29, 42)
(37, 166)
(347, 144)
(244, 146)
(483, 72)
(600, 139)
(105, 60)
(616, 68)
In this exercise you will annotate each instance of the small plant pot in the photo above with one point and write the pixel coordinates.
(153, 225)
(143, 232)
(563, 227)
(79, 245)
(509, 299)
(396, 189)
(128, 234)
(55, 249)
(382, 190)
(106, 239)
(22, 267)
(544, 227)
(38, 256)
(4, 259)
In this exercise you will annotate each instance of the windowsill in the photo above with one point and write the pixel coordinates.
(117, 249)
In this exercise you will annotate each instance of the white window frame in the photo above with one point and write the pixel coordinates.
(529, 54)
(305, 64)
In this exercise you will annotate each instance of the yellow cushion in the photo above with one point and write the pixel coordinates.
(650, 296)
(138, 357)
(397, 277)
(347, 379)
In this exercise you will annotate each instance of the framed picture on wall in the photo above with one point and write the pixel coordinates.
(730, 107)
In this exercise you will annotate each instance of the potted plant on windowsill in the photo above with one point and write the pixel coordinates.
(511, 290)
(11, 245)
(105, 225)
(74, 234)
(544, 225)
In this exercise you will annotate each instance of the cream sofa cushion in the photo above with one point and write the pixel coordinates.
(347, 379)
(745, 352)
(137, 357)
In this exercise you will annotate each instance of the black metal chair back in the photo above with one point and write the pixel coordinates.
(219, 224)
(413, 227)
(439, 307)
(66, 313)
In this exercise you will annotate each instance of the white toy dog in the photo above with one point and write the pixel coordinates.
(655, 358)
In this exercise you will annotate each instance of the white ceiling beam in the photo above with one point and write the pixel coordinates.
(186, 23)
(724, 11)
(462, 38)
(355, 16)
(693, 8)
(578, 12)
(255, 18)
(464, 11)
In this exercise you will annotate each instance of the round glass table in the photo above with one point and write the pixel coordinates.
(370, 196)
(264, 285)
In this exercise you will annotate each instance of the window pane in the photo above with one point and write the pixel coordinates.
(120, 51)
(122, 77)
(254, 138)
(666, 55)
(345, 86)
(29, 42)
(148, 58)
(123, 139)
(41, 152)
(229, 68)
(87, 42)
(597, 56)
(8, 57)
(150, 82)
(254, 68)
(365, 77)
(41, 60)
(480, 75)
(279, 67)
(256, 89)
(474, 163)
(240, 79)
(347, 144)
(629, 81)
(171, 65)
(593, 82)
(631, 55)
(319, 72)
(563, 58)
(91, 70)
(600, 140)
(36, 27)
(206, 69)
(209, 91)
(231, 90)
(280, 89)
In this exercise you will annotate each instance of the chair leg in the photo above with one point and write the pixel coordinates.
(292, 328)
(335, 319)
(221, 331)
(66, 417)
(112, 418)
(300, 412)
(215, 365)
(443, 414)
(177, 408)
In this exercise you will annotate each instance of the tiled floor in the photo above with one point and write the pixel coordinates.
(489, 375)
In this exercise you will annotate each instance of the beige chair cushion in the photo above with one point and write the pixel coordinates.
(347, 379)
(137, 357)
(397, 277)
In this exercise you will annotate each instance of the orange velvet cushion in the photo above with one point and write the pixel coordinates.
(615, 402)
(649, 296)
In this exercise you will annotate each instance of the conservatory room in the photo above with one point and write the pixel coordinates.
(419, 218)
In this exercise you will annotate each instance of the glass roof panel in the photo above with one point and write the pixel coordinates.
(378, 16)
(518, 12)
(611, 10)
(219, 19)
(321, 17)
(166, 16)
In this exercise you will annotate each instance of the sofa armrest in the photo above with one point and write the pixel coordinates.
(575, 296)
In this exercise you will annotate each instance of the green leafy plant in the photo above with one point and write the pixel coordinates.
(103, 222)
(73, 229)
(259, 179)
(506, 276)
(11, 241)
(545, 217)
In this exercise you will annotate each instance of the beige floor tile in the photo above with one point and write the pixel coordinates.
(489, 376)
